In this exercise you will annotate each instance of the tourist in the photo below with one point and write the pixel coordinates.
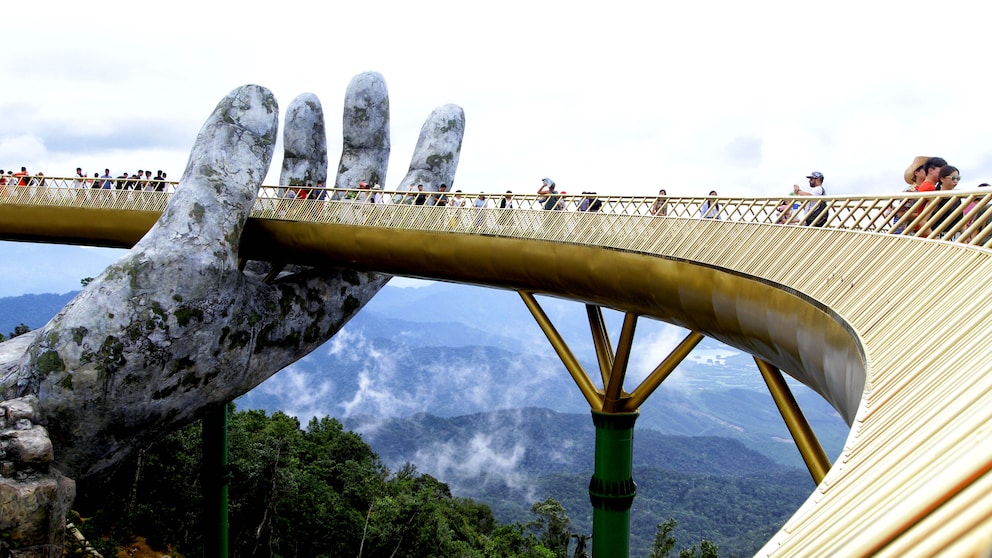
(441, 200)
(931, 169)
(914, 175)
(421, 198)
(944, 207)
(660, 206)
(710, 208)
(22, 177)
(816, 213)
(547, 195)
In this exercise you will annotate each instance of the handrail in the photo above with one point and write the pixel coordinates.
(953, 216)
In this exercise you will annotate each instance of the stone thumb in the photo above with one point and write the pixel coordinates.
(229, 160)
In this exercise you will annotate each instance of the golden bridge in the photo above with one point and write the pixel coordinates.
(884, 311)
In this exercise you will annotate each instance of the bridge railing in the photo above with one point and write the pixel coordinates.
(949, 216)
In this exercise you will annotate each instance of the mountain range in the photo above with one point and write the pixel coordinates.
(460, 382)
(449, 350)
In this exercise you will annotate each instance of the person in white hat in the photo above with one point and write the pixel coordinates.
(816, 212)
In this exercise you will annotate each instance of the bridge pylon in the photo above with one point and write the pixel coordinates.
(614, 412)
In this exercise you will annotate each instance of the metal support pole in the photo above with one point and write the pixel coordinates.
(809, 447)
(614, 389)
(600, 341)
(658, 375)
(593, 397)
(215, 479)
(612, 488)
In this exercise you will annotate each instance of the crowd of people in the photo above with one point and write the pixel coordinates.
(931, 174)
(141, 180)
(925, 174)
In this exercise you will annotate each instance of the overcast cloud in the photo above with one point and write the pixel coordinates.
(746, 98)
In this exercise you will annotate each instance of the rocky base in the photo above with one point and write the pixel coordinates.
(34, 496)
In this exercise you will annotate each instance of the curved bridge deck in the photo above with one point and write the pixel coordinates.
(890, 328)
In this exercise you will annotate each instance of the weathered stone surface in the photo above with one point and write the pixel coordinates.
(32, 515)
(12, 352)
(19, 410)
(33, 498)
(174, 327)
(436, 158)
(365, 146)
(29, 446)
(304, 142)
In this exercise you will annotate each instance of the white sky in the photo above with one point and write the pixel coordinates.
(621, 97)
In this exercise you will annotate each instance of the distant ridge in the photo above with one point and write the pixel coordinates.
(553, 442)
(33, 310)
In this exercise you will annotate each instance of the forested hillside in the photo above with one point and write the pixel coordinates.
(321, 491)
(714, 487)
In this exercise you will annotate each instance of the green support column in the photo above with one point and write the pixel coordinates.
(612, 487)
(215, 478)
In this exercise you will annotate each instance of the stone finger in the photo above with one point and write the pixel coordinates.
(304, 139)
(435, 159)
(365, 127)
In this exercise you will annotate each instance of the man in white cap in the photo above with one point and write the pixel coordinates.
(816, 212)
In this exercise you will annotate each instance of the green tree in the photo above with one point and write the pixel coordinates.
(511, 541)
(706, 549)
(85, 281)
(553, 525)
(19, 330)
(664, 542)
(318, 492)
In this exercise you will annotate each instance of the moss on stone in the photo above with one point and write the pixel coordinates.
(49, 362)
(111, 354)
(312, 333)
(197, 213)
(185, 315)
(435, 161)
(78, 333)
(267, 339)
(52, 338)
(360, 116)
(350, 305)
(239, 340)
(270, 104)
(128, 269)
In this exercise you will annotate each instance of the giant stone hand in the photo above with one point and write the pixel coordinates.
(175, 326)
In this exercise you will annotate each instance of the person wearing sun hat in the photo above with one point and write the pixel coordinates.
(915, 174)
